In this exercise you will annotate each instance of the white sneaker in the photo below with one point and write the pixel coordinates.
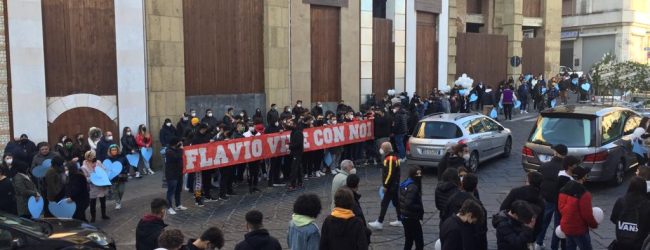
(171, 211)
(118, 206)
(376, 225)
(137, 174)
(395, 223)
(539, 247)
(322, 173)
(150, 171)
(181, 208)
(318, 174)
(334, 171)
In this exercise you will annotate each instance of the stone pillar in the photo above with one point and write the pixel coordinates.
(411, 48)
(300, 53)
(350, 58)
(399, 33)
(5, 129)
(366, 49)
(512, 21)
(447, 47)
(552, 15)
(276, 52)
(165, 64)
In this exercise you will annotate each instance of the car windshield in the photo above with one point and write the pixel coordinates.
(437, 130)
(39, 229)
(572, 132)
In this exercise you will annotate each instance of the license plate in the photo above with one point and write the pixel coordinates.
(432, 151)
(545, 158)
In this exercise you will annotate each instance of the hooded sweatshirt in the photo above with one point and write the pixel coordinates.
(259, 240)
(303, 233)
(147, 232)
(343, 231)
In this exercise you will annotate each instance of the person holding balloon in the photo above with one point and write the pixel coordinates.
(508, 99)
(575, 207)
(119, 181)
(90, 166)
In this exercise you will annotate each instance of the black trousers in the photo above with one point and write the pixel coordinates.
(507, 111)
(206, 182)
(239, 175)
(190, 182)
(296, 171)
(225, 183)
(412, 233)
(93, 206)
(80, 212)
(286, 168)
(253, 172)
(274, 175)
(389, 196)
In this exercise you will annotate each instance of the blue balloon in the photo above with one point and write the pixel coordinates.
(473, 98)
(543, 91)
(381, 192)
(133, 159)
(35, 207)
(62, 209)
(527, 77)
(586, 86)
(493, 113)
(461, 92)
(553, 102)
(100, 178)
(113, 168)
(40, 170)
(574, 81)
(517, 104)
(146, 153)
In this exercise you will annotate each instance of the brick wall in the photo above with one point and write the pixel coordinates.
(5, 130)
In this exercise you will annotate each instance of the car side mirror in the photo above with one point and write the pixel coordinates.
(17, 243)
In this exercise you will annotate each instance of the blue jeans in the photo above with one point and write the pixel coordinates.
(399, 141)
(550, 209)
(574, 242)
(174, 188)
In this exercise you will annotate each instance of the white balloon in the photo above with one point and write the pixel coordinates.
(438, 245)
(559, 233)
(599, 215)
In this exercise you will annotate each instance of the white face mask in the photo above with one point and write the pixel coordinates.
(466, 157)
(209, 114)
(320, 105)
(110, 137)
(299, 105)
(67, 173)
(169, 124)
(394, 110)
(288, 110)
(128, 133)
(252, 129)
(193, 113)
(277, 124)
(9, 161)
(241, 114)
(353, 171)
(381, 151)
(334, 122)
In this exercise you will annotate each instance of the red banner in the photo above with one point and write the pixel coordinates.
(232, 152)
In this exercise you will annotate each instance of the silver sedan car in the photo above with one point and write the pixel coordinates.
(436, 133)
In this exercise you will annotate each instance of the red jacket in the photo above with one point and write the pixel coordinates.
(142, 141)
(574, 204)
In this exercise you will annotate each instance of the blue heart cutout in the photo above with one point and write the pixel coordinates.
(574, 81)
(62, 209)
(114, 168)
(473, 98)
(586, 86)
(40, 170)
(543, 91)
(461, 92)
(517, 104)
(493, 113)
(146, 153)
(35, 207)
(133, 159)
(100, 178)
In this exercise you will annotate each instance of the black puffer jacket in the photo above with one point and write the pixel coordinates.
(296, 141)
(174, 163)
(259, 240)
(147, 232)
(128, 144)
(381, 126)
(511, 234)
(400, 124)
(410, 200)
(444, 191)
(549, 170)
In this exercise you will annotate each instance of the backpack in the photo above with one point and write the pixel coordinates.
(627, 225)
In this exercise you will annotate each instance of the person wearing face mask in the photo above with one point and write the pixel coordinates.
(240, 130)
(54, 183)
(68, 152)
(174, 174)
(77, 191)
(275, 162)
(144, 140)
(7, 192)
(390, 183)
(130, 146)
(96, 192)
(167, 132)
(119, 182)
(210, 119)
(257, 117)
(381, 127)
(317, 110)
(244, 116)
(183, 126)
(457, 230)
(80, 147)
(296, 149)
(44, 153)
(272, 116)
(453, 158)
(229, 118)
(254, 166)
(447, 187)
(22, 148)
(24, 188)
(400, 128)
(203, 181)
(468, 186)
(412, 209)
(257, 238)
(286, 114)
(8, 163)
(298, 110)
(103, 144)
(347, 168)
(59, 145)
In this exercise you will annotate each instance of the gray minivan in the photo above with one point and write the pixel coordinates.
(598, 135)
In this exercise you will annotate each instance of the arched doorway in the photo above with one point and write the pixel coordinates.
(79, 120)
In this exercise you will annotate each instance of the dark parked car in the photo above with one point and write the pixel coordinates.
(50, 233)
(599, 135)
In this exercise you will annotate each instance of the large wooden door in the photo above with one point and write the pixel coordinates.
(325, 54)
(483, 57)
(532, 59)
(383, 56)
(79, 120)
(426, 55)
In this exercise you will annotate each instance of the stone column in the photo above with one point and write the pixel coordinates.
(399, 33)
(276, 52)
(552, 15)
(366, 48)
(350, 58)
(300, 54)
(447, 47)
(165, 64)
(5, 129)
(411, 48)
(512, 21)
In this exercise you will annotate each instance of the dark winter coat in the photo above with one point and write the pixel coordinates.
(390, 171)
(124, 174)
(102, 149)
(343, 234)
(259, 240)
(182, 127)
(272, 116)
(526, 193)
(444, 191)
(632, 203)
(511, 234)
(166, 135)
(400, 123)
(147, 232)
(454, 205)
(296, 141)
(7, 196)
(77, 189)
(54, 184)
(381, 126)
(211, 121)
(174, 163)
(456, 234)
(129, 145)
(549, 170)
(410, 200)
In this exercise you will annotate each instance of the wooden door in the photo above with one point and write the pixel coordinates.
(483, 57)
(383, 56)
(325, 54)
(532, 59)
(427, 54)
(79, 120)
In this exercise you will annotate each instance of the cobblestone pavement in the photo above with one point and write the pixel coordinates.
(496, 178)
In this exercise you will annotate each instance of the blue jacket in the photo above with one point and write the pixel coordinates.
(306, 237)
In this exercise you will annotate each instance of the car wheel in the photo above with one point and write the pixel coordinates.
(619, 173)
(507, 148)
(473, 162)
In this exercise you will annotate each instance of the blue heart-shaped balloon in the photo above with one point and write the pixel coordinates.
(114, 168)
(553, 103)
(473, 97)
(493, 113)
(574, 81)
(62, 209)
(100, 178)
(40, 170)
(543, 91)
(527, 77)
(381, 192)
(133, 159)
(517, 104)
(586, 86)
(35, 207)
(500, 105)
(146, 153)
(461, 92)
